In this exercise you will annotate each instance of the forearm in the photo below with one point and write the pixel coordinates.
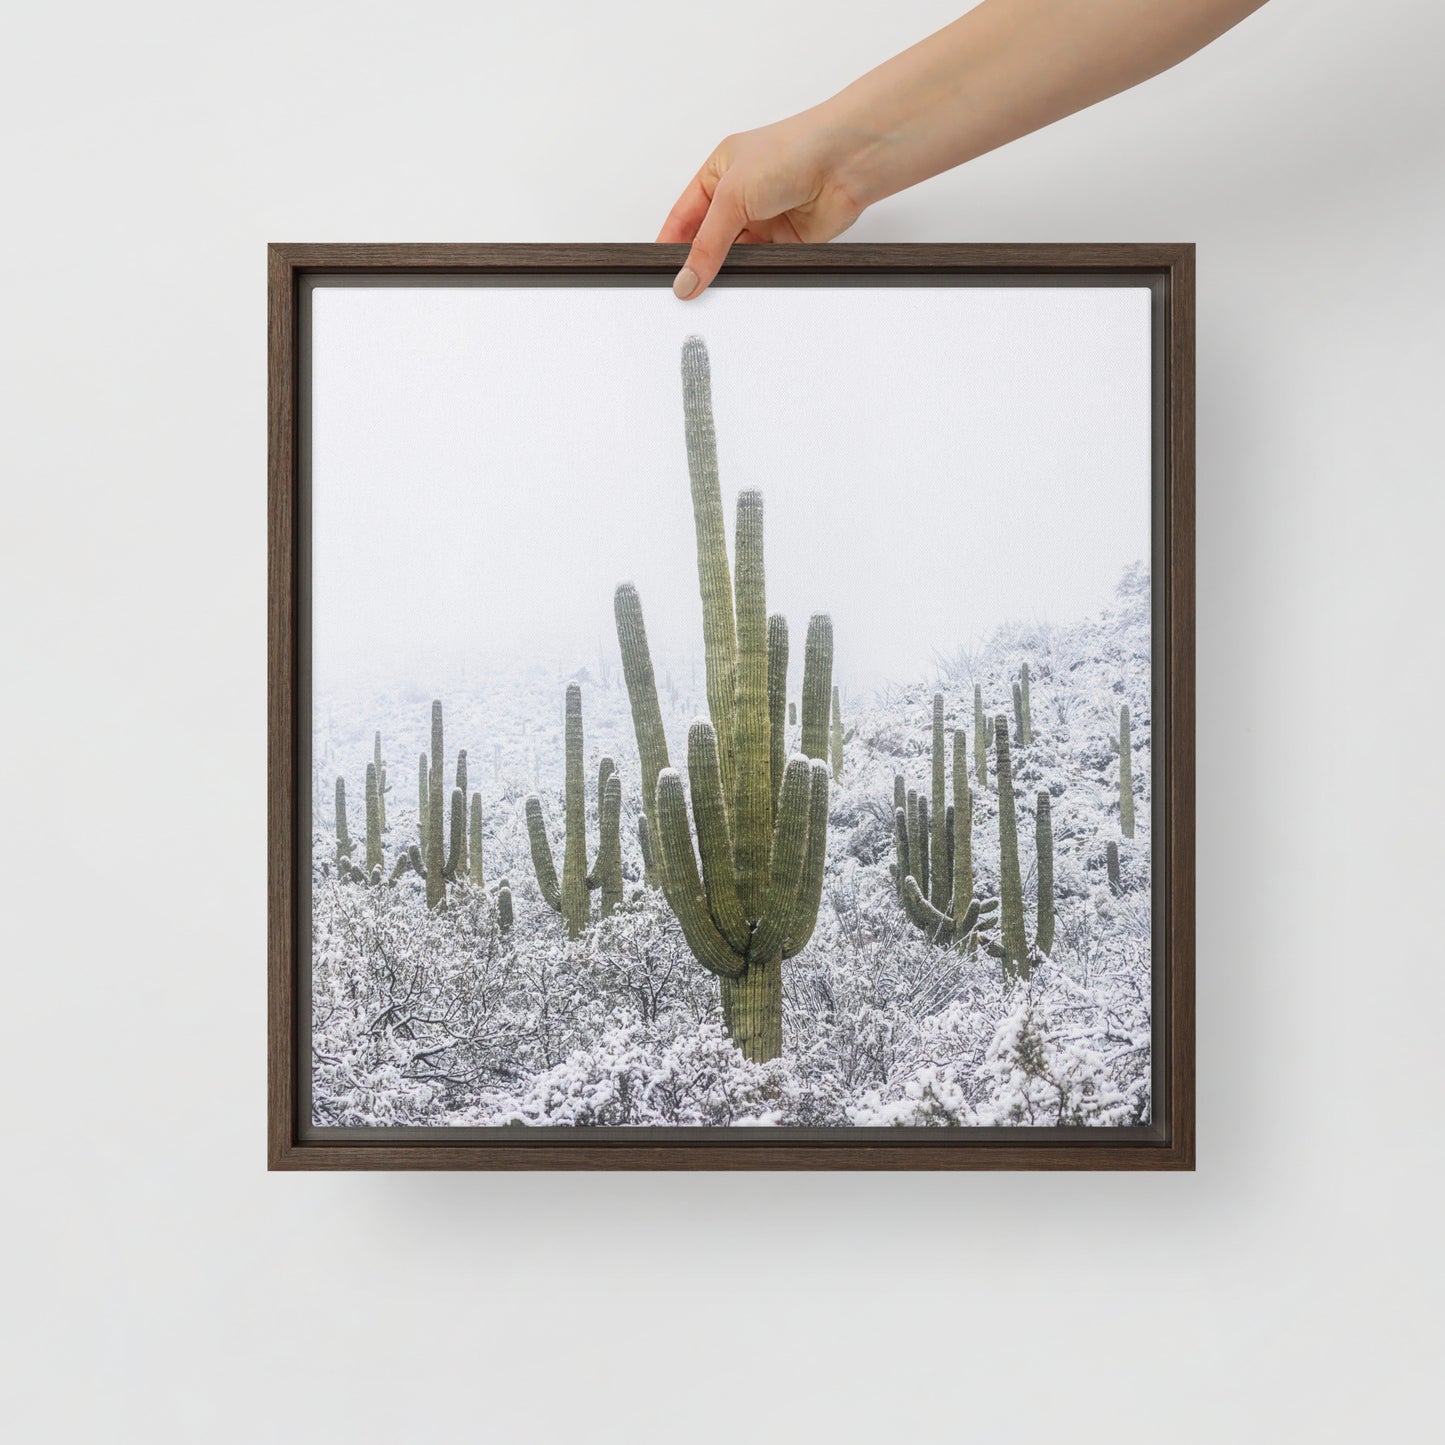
(1006, 68)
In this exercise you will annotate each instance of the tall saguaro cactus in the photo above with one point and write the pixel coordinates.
(380, 779)
(835, 737)
(1028, 721)
(1126, 775)
(373, 818)
(747, 896)
(474, 841)
(457, 865)
(1014, 942)
(1044, 875)
(432, 847)
(343, 837)
(423, 789)
(569, 897)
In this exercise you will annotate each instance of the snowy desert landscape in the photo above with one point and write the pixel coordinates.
(699, 862)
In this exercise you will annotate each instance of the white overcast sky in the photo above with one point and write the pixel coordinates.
(489, 462)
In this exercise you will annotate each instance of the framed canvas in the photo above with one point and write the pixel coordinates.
(755, 732)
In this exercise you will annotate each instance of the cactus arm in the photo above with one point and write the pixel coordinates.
(454, 863)
(752, 809)
(683, 886)
(574, 855)
(1044, 845)
(609, 850)
(934, 922)
(713, 839)
(817, 685)
(1018, 716)
(836, 736)
(923, 862)
(719, 638)
(1111, 853)
(777, 705)
(343, 837)
(649, 857)
(810, 890)
(1011, 891)
(902, 844)
(373, 819)
(435, 861)
(474, 843)
(788, 857)
(962, 824)
(423, 788)
(542, 861)
(504, 906)
(642, 697)
(940, 879)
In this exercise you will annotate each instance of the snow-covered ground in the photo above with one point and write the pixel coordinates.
(439, 1019)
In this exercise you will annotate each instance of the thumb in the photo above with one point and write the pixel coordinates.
(724, 223)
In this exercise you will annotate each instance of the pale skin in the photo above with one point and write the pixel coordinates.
(1004, 69)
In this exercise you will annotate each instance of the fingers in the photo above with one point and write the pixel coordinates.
(686, 216)
(725, 220)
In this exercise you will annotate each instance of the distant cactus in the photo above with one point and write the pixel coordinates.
(436, 888)
(474, 842)
(402, 865)
(343, 838)
(504, 906)
(570, 896)
(1126, 775)
(1018, 716)
(1013, 946)
(792, 714)
(934, 870)
(380, 780)
(755, 902)
(1116, 881)
(980, 744)
(1044, 851)
(1028, 722)
(835, 737)
(373, 819)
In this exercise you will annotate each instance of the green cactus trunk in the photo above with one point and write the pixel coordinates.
(1126, 776)
(649, 857)
(1011, 888)
(380, 780)
(574, 855)
(453, 868)
(962, 827)
(720, 649)
(777, 697)
(836, 737)
(1028, 722)
(423, 788)
(817, 686)
(436, 888)
(373, 819)
(980, 738)
(1018, 715)
(923, 869)
(792, 714)
(609, 849)
(941, 883)
(343, 837)
(504, 906)
(1044, 849)
(459, 865)
(1116, 881)
(474, 842)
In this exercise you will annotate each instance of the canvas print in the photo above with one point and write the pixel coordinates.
(731, 715)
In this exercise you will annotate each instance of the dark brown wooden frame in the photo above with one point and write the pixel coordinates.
(1166, 1144)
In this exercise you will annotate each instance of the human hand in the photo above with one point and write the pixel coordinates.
(784, 182)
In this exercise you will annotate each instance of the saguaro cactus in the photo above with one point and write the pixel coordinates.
(1126, 775)
(935, 849)
(1044, 852)
(1111, 854)
(792, 714)
(373, 818)
(436, 888)
(755, 901)
(423, 790)
(380, 779)
(570, 896)
(1018, 715)
(980, 744)
(343, 838)
(504, 905)
(1028, 721)
(1014, 949)
(474, 842)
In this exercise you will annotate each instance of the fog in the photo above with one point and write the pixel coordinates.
(488, 462)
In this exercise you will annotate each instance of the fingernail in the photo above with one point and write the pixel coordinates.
(685, 283)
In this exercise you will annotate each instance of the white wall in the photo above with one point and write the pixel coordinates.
(164, 1288)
